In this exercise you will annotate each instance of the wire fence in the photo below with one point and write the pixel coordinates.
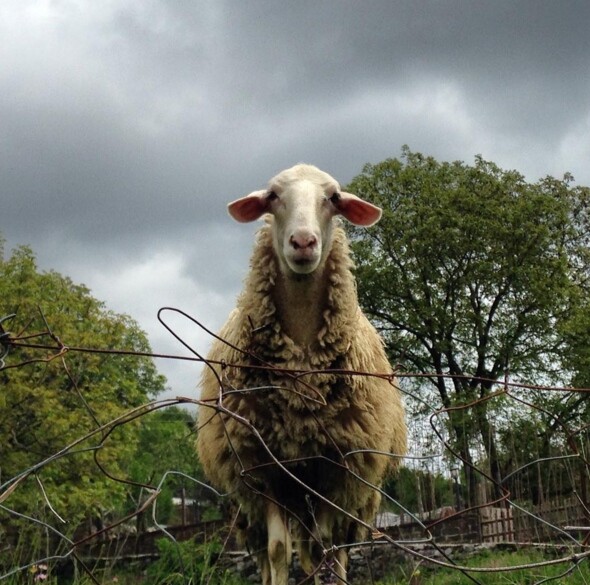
(542, 499)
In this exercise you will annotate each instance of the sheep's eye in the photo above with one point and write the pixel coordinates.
(271, 196)
(335, 198)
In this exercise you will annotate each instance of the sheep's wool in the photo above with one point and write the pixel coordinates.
(276, 433)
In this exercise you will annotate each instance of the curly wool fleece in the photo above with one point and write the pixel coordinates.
(309, 421)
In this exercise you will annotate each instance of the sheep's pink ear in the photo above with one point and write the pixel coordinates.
(357, 211)
(249, 208)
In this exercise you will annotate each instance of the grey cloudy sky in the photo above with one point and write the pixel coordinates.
(126, 126)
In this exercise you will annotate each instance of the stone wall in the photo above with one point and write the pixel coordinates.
(367, 564)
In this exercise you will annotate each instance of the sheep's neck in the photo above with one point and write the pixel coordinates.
(300, 303)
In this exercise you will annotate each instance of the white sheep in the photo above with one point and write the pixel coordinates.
(283, 436)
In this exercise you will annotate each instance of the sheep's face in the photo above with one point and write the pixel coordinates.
(303, 201)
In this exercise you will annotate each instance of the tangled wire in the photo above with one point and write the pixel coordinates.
(422, 536)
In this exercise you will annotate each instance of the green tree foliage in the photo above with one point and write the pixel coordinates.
(417, 490)
(165, 455)
(47, 405)
(473, 272)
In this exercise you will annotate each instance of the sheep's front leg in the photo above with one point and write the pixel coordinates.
(279, 544)
(306, 562)
(264, 566)
(340, 564)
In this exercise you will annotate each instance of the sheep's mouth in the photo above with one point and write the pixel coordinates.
(303, 265)
(304, 257)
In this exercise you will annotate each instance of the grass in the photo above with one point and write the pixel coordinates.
(188, 563)
(179, 563)
(566, 573)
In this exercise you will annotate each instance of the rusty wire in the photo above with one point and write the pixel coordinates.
(49, 347)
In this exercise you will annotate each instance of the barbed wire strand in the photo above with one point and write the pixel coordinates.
(55, 349)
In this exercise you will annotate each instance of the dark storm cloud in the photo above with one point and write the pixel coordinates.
(178, 102)
(126, 127)
(304, 50)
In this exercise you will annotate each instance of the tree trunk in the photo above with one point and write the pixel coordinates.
(489, 444)
(462, 448)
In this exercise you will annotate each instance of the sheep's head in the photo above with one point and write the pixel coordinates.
(303, 201)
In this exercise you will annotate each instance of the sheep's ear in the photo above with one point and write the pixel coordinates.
(249, 208)
(357, 211)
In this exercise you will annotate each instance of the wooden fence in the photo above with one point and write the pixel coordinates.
(551, 522)
(497, 524)
(144, 544)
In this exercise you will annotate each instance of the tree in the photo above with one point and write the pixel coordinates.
(418, 490)
(46, 405)
(470, 274)
(166, 444)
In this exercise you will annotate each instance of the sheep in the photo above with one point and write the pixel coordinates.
(297, 444)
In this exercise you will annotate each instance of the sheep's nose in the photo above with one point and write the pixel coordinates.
(303, 241)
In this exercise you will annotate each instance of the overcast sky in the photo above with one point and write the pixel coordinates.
(126, 126)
